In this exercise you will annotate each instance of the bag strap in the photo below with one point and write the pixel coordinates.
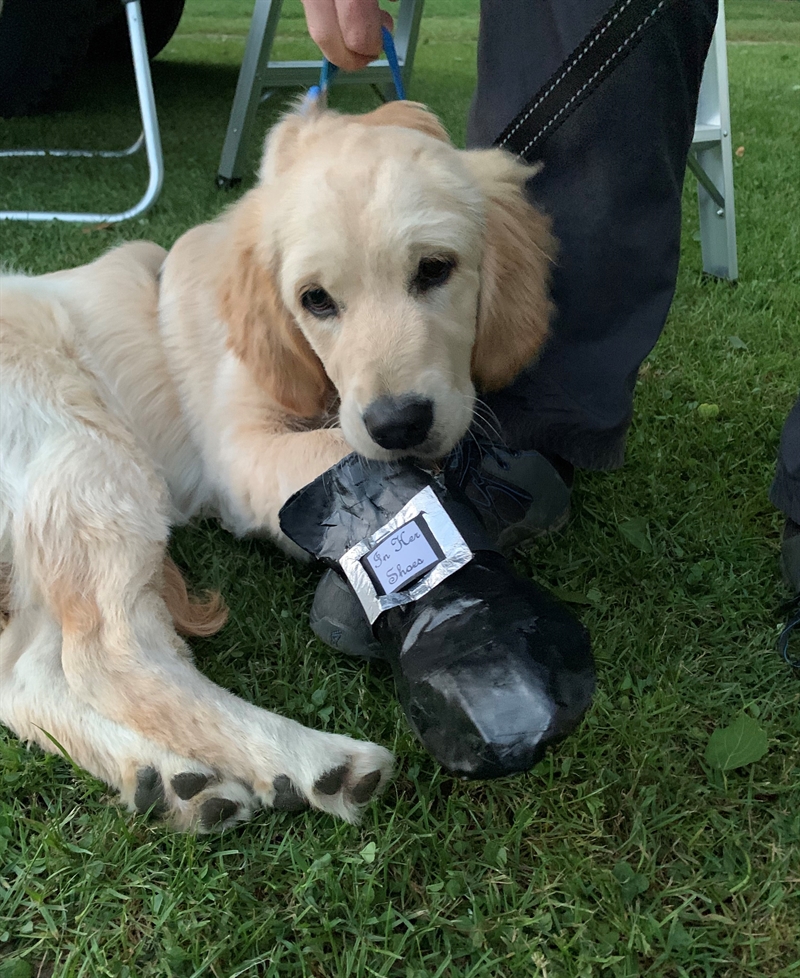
(783, 640)
(596, 57)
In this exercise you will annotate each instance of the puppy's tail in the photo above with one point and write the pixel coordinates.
(191, 616)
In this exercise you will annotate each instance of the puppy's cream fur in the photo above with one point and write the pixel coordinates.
(145, 388)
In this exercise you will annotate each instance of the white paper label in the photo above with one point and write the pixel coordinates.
(402, 557)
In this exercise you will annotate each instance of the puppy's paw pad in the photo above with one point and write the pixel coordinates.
(216, 814)
(344, 788)
(150, 796)
(358, 790)
(364, 788)
(215, 808)
(288, 797)
(331, 781)
(187, 784)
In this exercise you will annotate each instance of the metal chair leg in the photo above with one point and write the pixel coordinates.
(150, 136)
(258, 74)
(711, 161)
(406, 34)
(249, 87)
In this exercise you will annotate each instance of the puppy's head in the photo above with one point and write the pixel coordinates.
(377, 262)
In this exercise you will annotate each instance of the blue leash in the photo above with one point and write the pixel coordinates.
(328, 72)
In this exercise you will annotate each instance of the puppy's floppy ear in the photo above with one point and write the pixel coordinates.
(261, 331)
(407, 115)
(514, 308)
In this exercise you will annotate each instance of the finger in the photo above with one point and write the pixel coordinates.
(323, 26)
(360, 24)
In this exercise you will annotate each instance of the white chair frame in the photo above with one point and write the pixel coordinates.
(150, 137)
(711, 161)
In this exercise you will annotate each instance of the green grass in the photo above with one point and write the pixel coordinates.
(621, 855)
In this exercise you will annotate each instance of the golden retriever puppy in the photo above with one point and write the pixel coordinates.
(375, 271)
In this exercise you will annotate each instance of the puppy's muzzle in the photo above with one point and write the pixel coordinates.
(399, 422)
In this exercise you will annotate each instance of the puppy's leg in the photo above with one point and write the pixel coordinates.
(37, 703)
(262, 468)
(174, 705)
(91, 540)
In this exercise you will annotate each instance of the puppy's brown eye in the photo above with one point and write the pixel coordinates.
(319, 303)
(432, 272)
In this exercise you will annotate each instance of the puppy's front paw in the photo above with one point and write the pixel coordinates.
(191, 799)
(341, 778)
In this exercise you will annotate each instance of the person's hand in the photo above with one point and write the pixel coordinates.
(347, 31)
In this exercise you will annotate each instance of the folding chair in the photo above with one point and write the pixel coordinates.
(711, 161)
(150, 137)
(259, 76)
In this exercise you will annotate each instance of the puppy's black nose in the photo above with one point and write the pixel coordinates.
(399, 422)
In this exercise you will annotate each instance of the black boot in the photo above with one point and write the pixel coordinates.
(489, 668)
(518, 495)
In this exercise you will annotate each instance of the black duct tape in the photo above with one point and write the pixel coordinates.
(490, 669)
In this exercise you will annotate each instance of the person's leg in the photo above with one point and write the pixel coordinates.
(785, 495)
(612, 182)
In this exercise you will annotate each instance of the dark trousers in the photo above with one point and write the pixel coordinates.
(785, 491)
(612, 183)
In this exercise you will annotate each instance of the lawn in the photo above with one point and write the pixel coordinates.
(623, 854)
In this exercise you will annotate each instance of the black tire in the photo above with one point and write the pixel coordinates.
(42, 45)
(111, 41)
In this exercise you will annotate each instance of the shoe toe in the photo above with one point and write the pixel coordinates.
(488, 720)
